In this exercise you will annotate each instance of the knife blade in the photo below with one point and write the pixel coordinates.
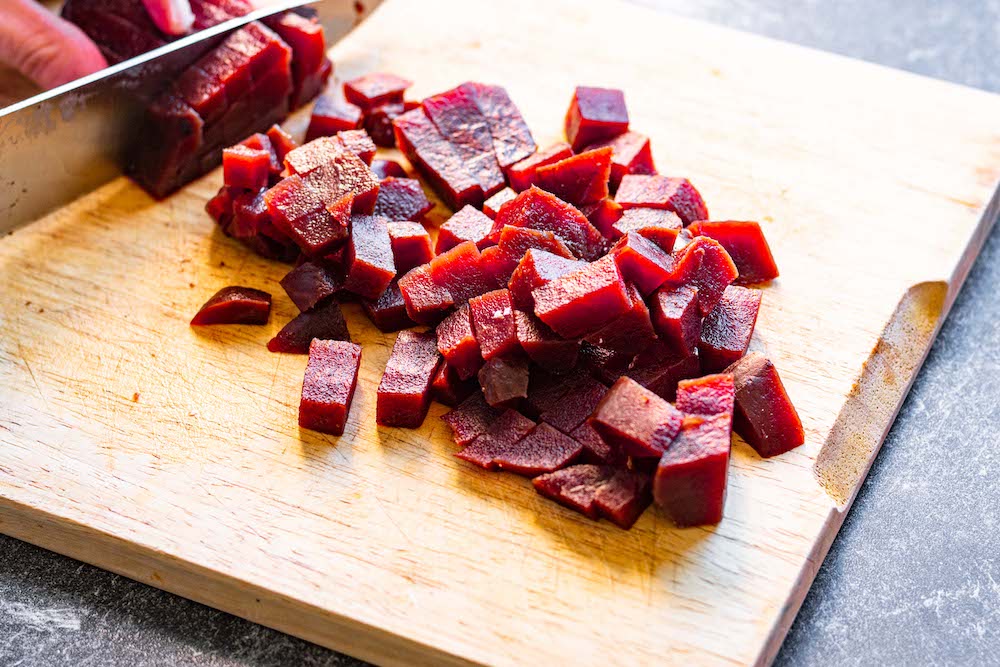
(66, 142)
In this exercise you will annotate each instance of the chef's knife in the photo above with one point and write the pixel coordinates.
(63, 143)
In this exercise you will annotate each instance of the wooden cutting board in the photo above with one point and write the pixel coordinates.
(172, 455)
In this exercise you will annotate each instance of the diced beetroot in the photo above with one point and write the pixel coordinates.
(543, 211)
(388, 169)
(359, 143)
(388, 312)
(641, 261)
(404, 392)
(328, 386)
(457, 343)
(500, 261)
(467, 224)
(595, 450)
(449, 389)
(543, 449)
(261, 142)
(493, 204)
(659, 368)
(251, 224)
(499, 435)
(378, 122)
(690, 482)
(576, 405)
(402, 199)
(605, 365)
(411, 244)
(631, 333)
(632, 155)
(636, 420)
(656, 224)
(595, 114)
(543, 346)
(603, 215)
(471, 419)
(581, 179)
(311, 283)
(522, 174)
(493, 323)
(460, 271)
(746, 245)
(726, 331)
(312, 155)
(368, 263)
(537, 268)
(764, 415)
(281, 141)
(676, 317)
(584, 300)
(436, 159)
(376, 88)
(244, 167)
(298, 211)
(654, 191)
(331, 115)
(512, 140)
(325, 322)
(426, 301)
(618, 495)
(708, 395)
(714, 275)
(505, 380)
(235, 305)
(220, 207)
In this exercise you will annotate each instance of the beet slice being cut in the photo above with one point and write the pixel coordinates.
(411, 244)
(764, 415)
(635, 419)
(708, 395)
(654, 191)
(369, 262)
(629, 334)
(595, 114)
(449, 389)
(583, 301)
(543, 449)
(426, 301)
(641, 261)
(543, 211)
(470, 419)
(631, 155)
(328, 386)
(493, 204)
(388, 312)
(235, 305)
(745, 243)
(310, 66)
(659, 368)
(512, 140)
(543, 346)
(376, 88)
(493, 323)
(690, 481)
(244, 167)
(311, 283)
(325, 322)
(457, 343)
(505, 380)
(522, 174)
(581, 179)
(536, 268)
(402, 199)
(618, 495)
(676, 317)
(726, 331)
(467, 224)
(388, 169)
(332, 114)
(603, 215)
(497, 437)
(404, 392)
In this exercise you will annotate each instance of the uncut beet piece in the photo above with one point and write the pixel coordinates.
(281, 142)
(388, 169)
(595, 114)
(641, 261)
(583, 301)
(368, 263)
(676, 317)
(605, 365)
(235, 305)
(707, 395)
(543, 449)
(460, 271)
(690, 481)
(426, 301)
(543, 346)
(636, 420)
(378, 121)
(457, 343)
(617, 494)
(244, 167)
(512, 140)
(659, 368)
(449, 389)
(654, 191)
(656, 224)
(328, 386)
(537, 268)
(631, 333)
(359, 143)
(493, 323)
(331, 115)
(388, 312)
(311, 283)
(470, 419)
(493, 204)
(764, 415)
(522, 174)
(581, 179)
(746, 245)
(376, 88)
(576, 405)
(504, 381)
(543, 211)
(402, 199)
(436, 159)
(411, 244)
(404, 392)
(603, 215)
(325, 322)
(506, 429)
(726, 331)
(631, 155)
(467, 224)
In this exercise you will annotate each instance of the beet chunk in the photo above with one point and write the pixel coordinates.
(460, 271)
(388, 169)
(411, 244)
(458, 345)
(402, 199)
(605, 365)
(631, 155)
(359, 143)
(470, 419)
(582, 397)
(618, 495)
(328, 386)
(672, 194)
(636, 420)
(504, 380)
(659, 368)
(493, 323)
(595, 450)
(658, 225)
(467, 224)
(543, 346)
(745, 243)
(298, 211)
(595, 114)
(631, 333)
(676, 317)
(388, 312)
(378, 122)
(235, 305)
(603, 215)
(500, 435)
(493, 204)
(726, 331)
(325, 322)
(246, 168)
(331, 115)
(543, 211)
(376, 88)
(690, 482)
(500, 261)
(584, 300)
(436, 159)
(543, 449)
(449, 389)
(522, 174)
(708, 395)
(369, 262)
(281, 142)
(512, 140)
(641, 261)
(581, 179)
(404, 392)
(764, 415)
(426, 301)
(311, 283)
(262, 142)
(537, 268)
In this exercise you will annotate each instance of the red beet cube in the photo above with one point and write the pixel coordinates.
(576, 405)
(235, 305)
(658, 225)
(714, 275)
(500, 435)
(376, 88)
(467, 224)
(690, 482)
(726, 331)
(369, 263)
(543, 346)
(359, 143)
(457, 343)
(543, 449)
(537, 268)
(378, 122)
(500, 261)
(595, 114)
(404, 392)
(311, 283)
(672, 194)
(493, 323)
(328, 386)
(708, 395)
(281, 142)
(543, 211)
(603, 215)
(583, 301)
(493, 204)
(460, 271)
(581, 179)
(595, 450)
(641, 261)
(244, 167)
(603, 364)
(261, 142)
(426, 301)
(402, 199)
(522, 174)
(631, 333)
(470, 419)
(632, 155)
(332, 115)
(676, 317)
(388, 312)
(618, 495)
(504, 380)
(312, 155)
(636, 420)
(388, 169)
(745, 243)
(449, 389)
(659, 368)
(764, 415)
(512, 140)
(325, 322)
(411, 244)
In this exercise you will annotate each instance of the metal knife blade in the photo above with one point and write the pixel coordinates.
(65, 142)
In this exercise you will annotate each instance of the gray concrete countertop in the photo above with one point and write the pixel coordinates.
(913, 578)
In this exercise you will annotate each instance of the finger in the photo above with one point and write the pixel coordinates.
(43, 47)
(173, 17)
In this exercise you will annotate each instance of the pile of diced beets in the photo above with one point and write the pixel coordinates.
(582, 315)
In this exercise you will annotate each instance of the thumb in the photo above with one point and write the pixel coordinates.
(173, 17)
(44, 47)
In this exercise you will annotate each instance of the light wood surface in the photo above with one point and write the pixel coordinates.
(172, 455)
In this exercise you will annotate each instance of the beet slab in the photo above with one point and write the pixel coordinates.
(512, 140)
(726, 331)
(493, 323)
(581, 179)
(690, 481)
(325, 322)
(457, 343)
(676, 317)
(331, 115)
(359, 143)
(328, 387)
(470, 419)
(708, 395)
(581, 398)
(378, 122)
(505, 380)
(543, 449)
(235, 305)
(310, 66)
(498, 437)
(402, 199)
(631, 155)
(467, 224)
(672, 194)
(311, 283)
(595, 114)
(500, 261)
(369, 261)
(543, 211)
(376, 88)
(411, 244)
(658, 225)
(745, 243)
(764, 415)
(618, 495)
(522, 174)
(493, 204)
(583, 301)
(460, 271)
(388, 312)
(404, 392)
(635, 419)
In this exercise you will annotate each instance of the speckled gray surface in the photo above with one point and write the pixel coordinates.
(913, 578)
